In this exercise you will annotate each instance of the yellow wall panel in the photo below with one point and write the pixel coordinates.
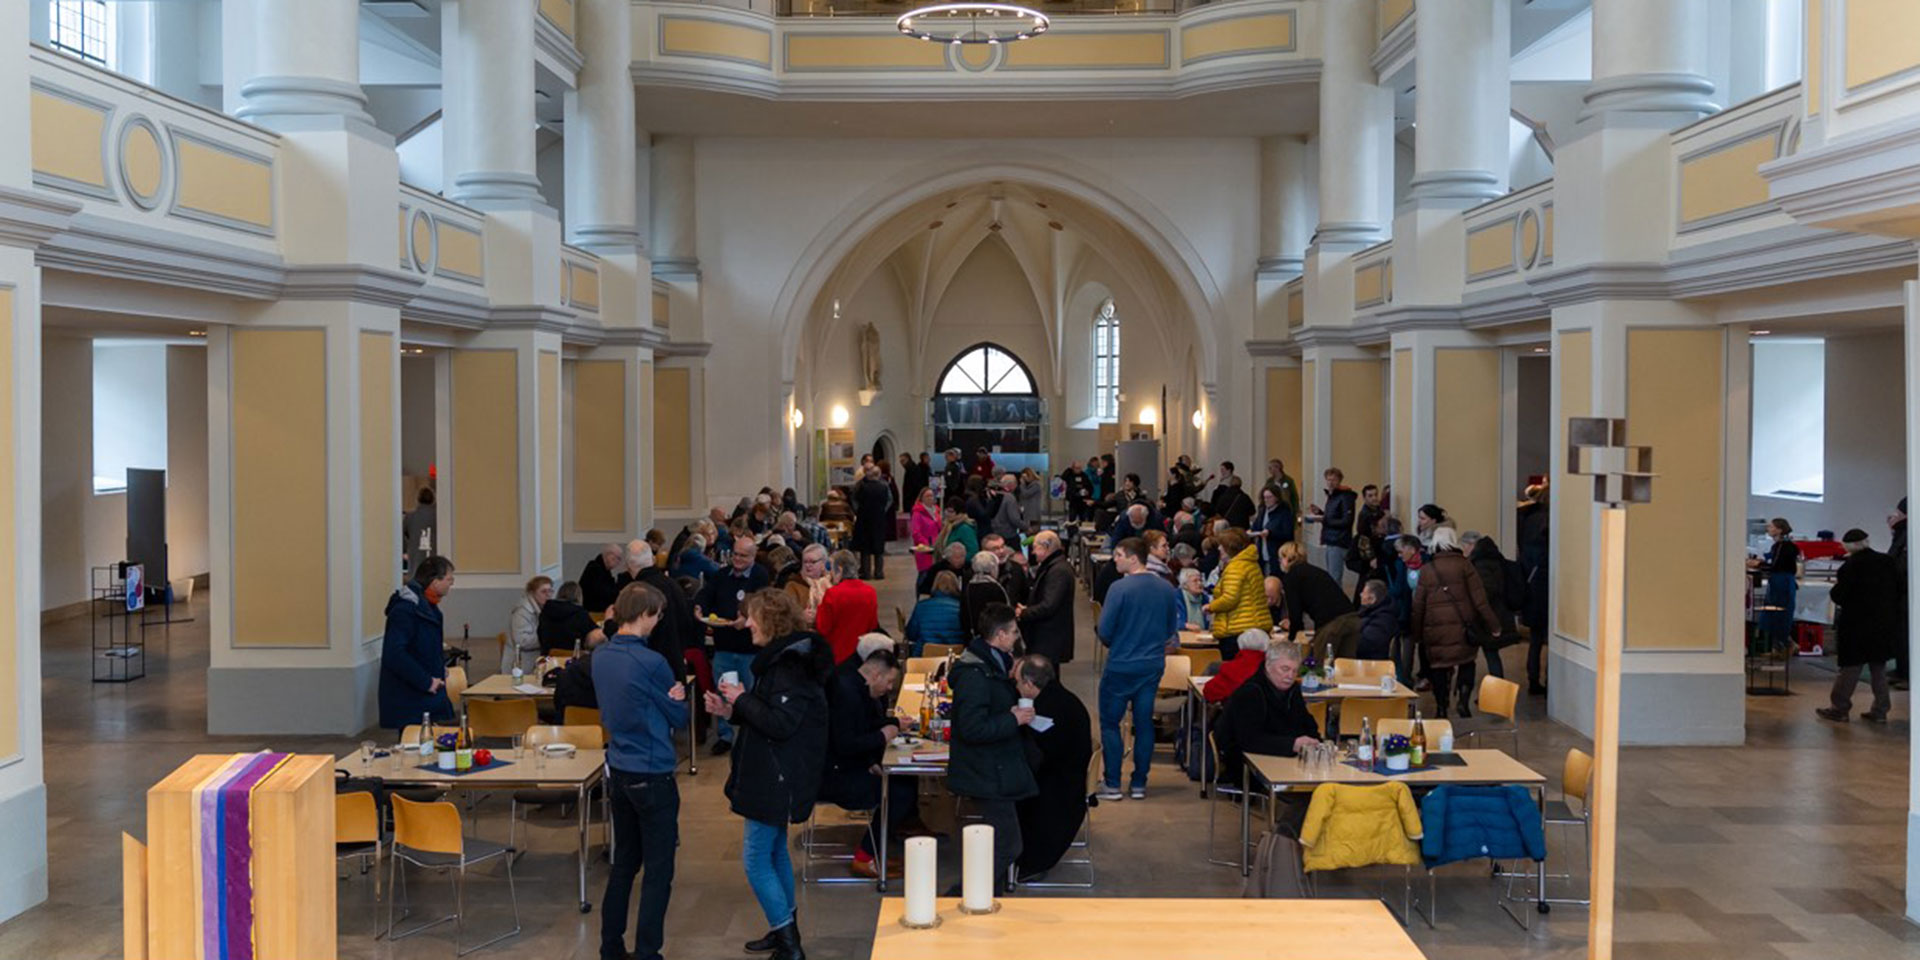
(486, 461)
(1490, 249)
(9, 547)
(1728, 179)
(584, 282)
(1283, 417)
(1883, 38)
(1816, 60)
(223, 184)
(1370, 284)
(1111, 49)
(599, 437)
(560, 14)
(673, 437)
(69, 139)
(1232, 36)
(1466, 437)
(1675, 404)
(1546, 233)
(548, 383)
(1357, 420)
(279, 395)
(1391, 12)
(702, 37)
(1402, 427)
(460, 251)
(822, 52)
(1309, 476)
(1296, 308)
(379, 476)
(1573, 496)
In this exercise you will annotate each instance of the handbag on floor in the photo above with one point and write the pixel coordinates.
(1277, 872)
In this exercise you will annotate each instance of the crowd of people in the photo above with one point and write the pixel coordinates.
(765, 616)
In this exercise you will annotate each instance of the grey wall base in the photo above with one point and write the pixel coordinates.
(23, 851)
(1656, 709)
(1913, 865)
(319, 700)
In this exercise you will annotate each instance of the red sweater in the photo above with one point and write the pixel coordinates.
(849, 608)
(1233, 673)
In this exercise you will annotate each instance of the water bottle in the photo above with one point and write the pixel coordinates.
(426, 734)
(518, 674)
(1364, 753)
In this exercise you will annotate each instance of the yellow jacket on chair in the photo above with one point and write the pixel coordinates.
(1361, 826)
(1240, 601)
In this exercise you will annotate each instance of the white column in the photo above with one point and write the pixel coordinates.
(1913, 594)
(600, 131)
(1356, 130)
(1287, 205)
(304, 61)
(675, 252)
(1650, 57)
(486, 64)
(1464, 96)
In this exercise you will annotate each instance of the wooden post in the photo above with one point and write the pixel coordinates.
(1602, 797)
(133, 897)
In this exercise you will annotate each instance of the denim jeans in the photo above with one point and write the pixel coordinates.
(1121, 688)
(769, 871)
(741, 663)
(646, 830)
(1335, 559)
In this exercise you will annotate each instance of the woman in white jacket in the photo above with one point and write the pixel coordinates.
(523, 626)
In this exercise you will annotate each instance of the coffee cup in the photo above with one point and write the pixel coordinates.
(1026, 703)
(730, 679)
(1386, 683)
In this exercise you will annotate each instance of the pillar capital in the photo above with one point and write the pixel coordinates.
(299, 63)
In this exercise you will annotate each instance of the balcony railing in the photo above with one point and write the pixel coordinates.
(894, 8)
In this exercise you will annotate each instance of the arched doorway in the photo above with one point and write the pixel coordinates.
(883, 448)
(985, 397)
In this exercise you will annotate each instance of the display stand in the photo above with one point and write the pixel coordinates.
(1767, 670)
(118, 655)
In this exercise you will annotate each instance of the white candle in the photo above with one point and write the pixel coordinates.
(976, 868)
(922, 854)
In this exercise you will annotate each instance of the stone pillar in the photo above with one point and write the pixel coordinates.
(1355, 162)
(1650, 63)
(486, 61)
(304, 63)
(1464, 97)
(1287, 206)
(600, 132)
(676, 253)
(27, 218)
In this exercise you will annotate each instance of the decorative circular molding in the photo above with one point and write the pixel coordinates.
(422, 242)
(975, 58)
(144, 163)
(1526, 251)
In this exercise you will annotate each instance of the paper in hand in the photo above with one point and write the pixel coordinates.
(1041, 724)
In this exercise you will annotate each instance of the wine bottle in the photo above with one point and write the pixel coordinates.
(1417, 744)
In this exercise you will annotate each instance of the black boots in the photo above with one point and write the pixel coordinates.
(783, 943)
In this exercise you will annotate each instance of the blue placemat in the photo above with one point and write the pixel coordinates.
(434, 766)
(1381, 768)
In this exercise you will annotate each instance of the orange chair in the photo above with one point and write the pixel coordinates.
(429, 835)
(1498, 698)
(357, 833)
(501, 719)
(587, 736)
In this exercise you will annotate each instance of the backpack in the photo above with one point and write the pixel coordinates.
(1277, 872)
(1190, 754)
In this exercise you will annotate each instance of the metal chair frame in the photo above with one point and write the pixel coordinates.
(457, 874)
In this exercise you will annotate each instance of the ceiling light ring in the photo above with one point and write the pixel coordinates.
(961, 23)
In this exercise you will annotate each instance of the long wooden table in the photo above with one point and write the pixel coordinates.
(530, 772)
(899, 761)
(499, 686)
(1197, 701)
(1045, 928)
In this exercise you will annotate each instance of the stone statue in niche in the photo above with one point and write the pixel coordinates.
(870, 357)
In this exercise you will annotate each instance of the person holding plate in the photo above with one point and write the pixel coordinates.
(719, 606)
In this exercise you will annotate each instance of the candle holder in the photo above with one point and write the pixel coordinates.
(993, 907)
(920, 926)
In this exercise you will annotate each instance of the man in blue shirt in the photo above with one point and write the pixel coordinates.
(641, 704)
(1140, 624)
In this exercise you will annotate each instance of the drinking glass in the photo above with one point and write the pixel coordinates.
(366, 754)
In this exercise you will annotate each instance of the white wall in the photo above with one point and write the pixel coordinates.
(1789, 416)
(755, 230)
(80, 530)
(1865, 441)
(417, 416)
(129, 392)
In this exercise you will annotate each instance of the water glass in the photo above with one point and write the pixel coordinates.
(366, 754)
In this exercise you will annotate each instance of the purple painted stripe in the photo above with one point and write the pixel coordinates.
(236, 839)
(207, 806)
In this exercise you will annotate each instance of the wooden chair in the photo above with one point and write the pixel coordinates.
(581, 717)
(456, 685)
(560, 655)
(939, 651)
(583, 736)
(924, 665)
(1353, 710)
(429, 835)
(501, 719)
(900, 616)
(1201, 658)
(1498, 698)
(357, 833)
(1099, 649)
(1355, 670)
(1403, 726)
(1576, 782)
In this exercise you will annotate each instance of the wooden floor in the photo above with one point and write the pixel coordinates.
(1790, 847)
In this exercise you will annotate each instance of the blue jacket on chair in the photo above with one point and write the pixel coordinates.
(1466, 823)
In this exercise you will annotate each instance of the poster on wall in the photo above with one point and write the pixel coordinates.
(842, 459)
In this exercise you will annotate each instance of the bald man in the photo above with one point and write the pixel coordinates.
(599, 581)
(1046, 619)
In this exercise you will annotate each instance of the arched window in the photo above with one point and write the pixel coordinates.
(1106, 363)
(986, 369)
(83, 29)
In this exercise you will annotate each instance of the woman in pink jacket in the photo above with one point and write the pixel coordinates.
(925, 528)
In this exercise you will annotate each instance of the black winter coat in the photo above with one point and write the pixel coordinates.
(678, 629)
(1262, 719)
(988, 760)
(1050, 819)
(854, 742)
(872, 508)
(781, 751)
(562, 624)
(599, 586)
(1047, 624)
(1312, 593)
(1492, 568)
(1379, 624)
(1867, 591)
(1336, 524)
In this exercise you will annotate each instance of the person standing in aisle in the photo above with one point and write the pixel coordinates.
(642, 702)
(413, 665)
(1336, 524)
(1139, 624)
(721, 598)
(1865, 590)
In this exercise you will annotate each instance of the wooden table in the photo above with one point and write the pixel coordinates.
(1276, 775)
(1045, 928)
(1198, 638)
(579, 773)
(899, 761)
(1197, 700)
(499, 686)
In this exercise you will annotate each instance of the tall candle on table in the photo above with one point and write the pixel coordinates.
(976, 868)
(922, 854)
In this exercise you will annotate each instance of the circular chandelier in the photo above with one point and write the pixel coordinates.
(973, 22)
